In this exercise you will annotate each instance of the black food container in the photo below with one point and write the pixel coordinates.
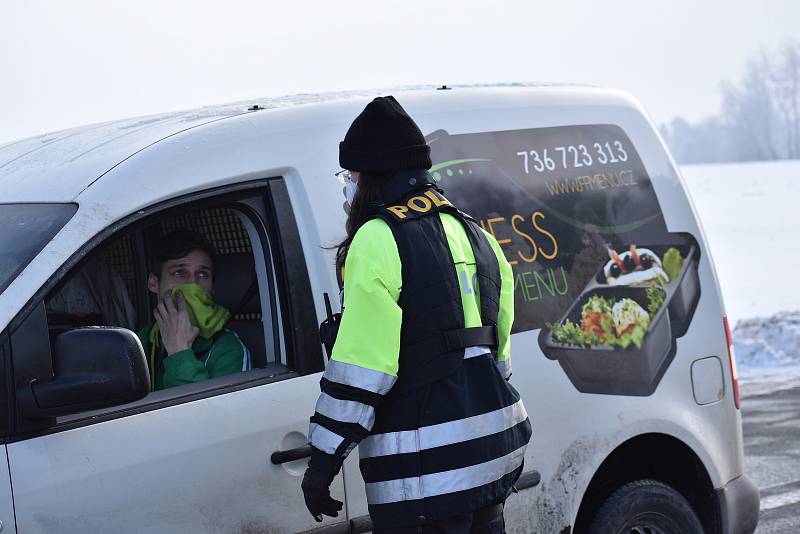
(613, 370)
(683, 292)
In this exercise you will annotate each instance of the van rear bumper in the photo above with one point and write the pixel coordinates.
(738, 506)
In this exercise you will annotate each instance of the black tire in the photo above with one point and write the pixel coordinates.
(646, 507)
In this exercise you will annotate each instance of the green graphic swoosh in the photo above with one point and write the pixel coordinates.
(445, 164)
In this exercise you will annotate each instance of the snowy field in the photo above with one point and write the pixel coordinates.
(750, 213)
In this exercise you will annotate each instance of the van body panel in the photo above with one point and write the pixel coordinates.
(56, 167)
(573, 435)
(300, 144)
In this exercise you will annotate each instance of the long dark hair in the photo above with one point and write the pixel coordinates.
(367, 202)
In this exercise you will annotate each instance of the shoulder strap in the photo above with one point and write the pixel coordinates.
(488, 270)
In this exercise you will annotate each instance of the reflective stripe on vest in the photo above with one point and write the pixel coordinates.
(359, 377)
(473, 352)
(404, 489)
(323, 439)
(505, 368)
(428, 437)
(346, 411)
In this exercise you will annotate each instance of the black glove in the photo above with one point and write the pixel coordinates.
(316, 490)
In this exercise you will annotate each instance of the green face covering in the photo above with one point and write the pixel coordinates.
(204, 313)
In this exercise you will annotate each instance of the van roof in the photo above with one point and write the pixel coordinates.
(58, 166)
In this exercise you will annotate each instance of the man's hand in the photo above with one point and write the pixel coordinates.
(177, 330)
(317, 493)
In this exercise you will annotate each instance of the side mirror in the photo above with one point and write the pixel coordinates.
(95, 368)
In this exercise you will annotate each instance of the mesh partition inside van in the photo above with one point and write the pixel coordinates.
(221, 226)
(119, 255)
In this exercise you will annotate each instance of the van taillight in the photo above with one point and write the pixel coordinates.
(732, 359)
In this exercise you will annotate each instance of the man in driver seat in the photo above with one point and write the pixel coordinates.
(187, 341)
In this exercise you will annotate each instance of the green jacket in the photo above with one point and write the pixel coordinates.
(208, 358)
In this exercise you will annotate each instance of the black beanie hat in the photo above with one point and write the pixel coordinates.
(384, 138)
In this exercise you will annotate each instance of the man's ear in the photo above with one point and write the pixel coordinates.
(152, 283)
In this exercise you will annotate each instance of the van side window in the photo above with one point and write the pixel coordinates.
(233, 300)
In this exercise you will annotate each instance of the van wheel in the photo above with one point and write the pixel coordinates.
(646, 507)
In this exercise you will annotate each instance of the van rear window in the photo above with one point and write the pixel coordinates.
(24, 231)
(562, 202)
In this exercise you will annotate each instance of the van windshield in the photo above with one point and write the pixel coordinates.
(24, 231)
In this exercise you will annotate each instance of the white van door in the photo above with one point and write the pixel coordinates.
(201, 466)
(193, 458)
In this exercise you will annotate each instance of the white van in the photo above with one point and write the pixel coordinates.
(621, 350)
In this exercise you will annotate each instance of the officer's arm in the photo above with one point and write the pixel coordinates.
(505, 317)
(364, 364)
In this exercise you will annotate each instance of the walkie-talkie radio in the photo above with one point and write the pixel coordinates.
(329, 327)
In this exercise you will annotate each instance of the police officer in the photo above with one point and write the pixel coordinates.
(419, 370)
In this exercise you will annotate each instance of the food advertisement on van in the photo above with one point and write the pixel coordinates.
(595, 269)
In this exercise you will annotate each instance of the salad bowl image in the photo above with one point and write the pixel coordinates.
(613, 340)
(618, 337)
(674, 267)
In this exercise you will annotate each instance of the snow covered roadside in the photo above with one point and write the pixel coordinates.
(768, 343)
(768, 352)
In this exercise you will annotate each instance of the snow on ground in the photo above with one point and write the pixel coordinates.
(768, 352)
(768, 342)
(755, 381)
(750, 214)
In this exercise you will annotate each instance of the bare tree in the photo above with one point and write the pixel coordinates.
(750, 112)
(785, 82)
(760, 117)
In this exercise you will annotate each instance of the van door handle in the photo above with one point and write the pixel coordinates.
(528, 480)
(281, 457)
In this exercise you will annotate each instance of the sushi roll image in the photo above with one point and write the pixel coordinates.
(634, 267)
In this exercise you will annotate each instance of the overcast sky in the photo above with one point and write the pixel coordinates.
(67, 63)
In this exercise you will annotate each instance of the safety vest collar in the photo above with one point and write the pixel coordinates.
(405, 182)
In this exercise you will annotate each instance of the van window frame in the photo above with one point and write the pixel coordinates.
(281, 245)
(6, 381)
